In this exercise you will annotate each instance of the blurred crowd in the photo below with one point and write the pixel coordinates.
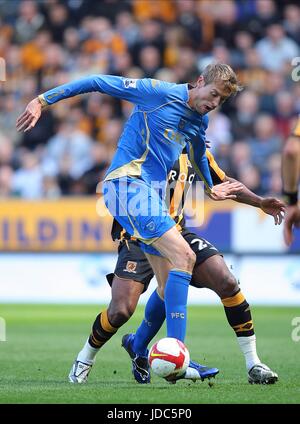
(50, 42)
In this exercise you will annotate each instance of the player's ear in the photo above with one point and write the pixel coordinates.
(200, 81)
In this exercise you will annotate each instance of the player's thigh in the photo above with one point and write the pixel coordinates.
(131, 276)
(210, 270)
(138, 208)
(175, 248)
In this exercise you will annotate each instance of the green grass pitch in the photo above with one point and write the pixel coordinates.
(42, 341)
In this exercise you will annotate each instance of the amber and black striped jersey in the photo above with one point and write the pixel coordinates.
(296, 130)
(179, 182)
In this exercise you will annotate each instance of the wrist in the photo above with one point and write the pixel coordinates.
(42, 100)
(290, 197)
(260, 202)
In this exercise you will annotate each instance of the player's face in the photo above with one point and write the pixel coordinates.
(205, 98)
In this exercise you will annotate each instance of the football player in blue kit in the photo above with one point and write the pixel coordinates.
(167, 117)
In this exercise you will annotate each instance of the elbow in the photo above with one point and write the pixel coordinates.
(291, 148)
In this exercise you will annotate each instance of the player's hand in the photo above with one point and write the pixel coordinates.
(224, 191)
(291, 219)
(274, 207)
(30, 116)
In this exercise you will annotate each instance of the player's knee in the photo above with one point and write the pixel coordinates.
(186, 260)
(190, 258)
(161, 292)
(120, 315)
(228, 286)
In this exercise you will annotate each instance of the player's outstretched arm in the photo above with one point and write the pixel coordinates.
(270, 205)
(137, 91)
(103, 83)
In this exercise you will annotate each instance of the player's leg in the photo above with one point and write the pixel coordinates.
(212, 272)
(154, 317)
(137, 344)
(155, 227)
(176, 250)
(125, 295)
(155, 312)
(131, 279)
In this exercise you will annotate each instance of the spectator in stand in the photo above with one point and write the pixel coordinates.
(265, 142)
(127, 28)
(29, 21)
(274, 84)
(158, 9)
(291, 22)
(227, 23)
(285, 112)
(276, 48)
(69, 145)
(246, 113)
(251, 176)
(219, 130)
(188, 20)
(151, 34)
(6, 181)
(243, 41)
(253, 76)
(92, 176)
(28, 179)
(149, 61)
(264, 14)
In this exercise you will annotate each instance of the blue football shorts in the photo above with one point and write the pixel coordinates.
(138, 207)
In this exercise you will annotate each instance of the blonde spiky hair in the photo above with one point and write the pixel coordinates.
(223, 73)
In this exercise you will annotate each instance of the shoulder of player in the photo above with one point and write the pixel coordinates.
(169, 89)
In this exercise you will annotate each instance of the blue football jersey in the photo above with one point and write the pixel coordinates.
(160, 126)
